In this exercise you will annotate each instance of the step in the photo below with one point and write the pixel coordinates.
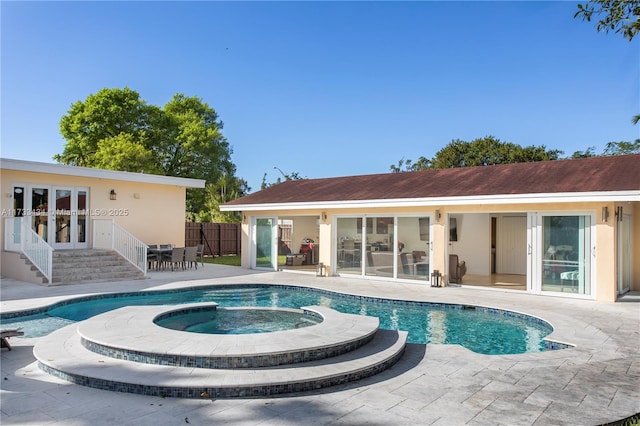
(83, 253)
(93, 261)
(87, 270)
(147, 342)
(97, 276)
(62, 354)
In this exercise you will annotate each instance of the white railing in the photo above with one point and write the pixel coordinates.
(111, 236)
(18, 236)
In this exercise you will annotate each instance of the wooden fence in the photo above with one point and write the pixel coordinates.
(219, 239)
(284, 235)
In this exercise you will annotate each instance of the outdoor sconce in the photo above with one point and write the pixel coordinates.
(324, 216)
(112, 194)
(438, 215)
(619, 213)
(605, 213)
(136, 196)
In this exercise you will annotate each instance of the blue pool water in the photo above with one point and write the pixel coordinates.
(482, 330)
(236, 321)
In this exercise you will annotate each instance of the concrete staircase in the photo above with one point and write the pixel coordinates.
(90, 265)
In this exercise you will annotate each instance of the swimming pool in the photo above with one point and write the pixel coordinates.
(479, 329)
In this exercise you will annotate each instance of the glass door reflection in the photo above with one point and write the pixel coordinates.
(264, 243)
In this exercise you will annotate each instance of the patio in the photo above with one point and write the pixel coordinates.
(596, 382)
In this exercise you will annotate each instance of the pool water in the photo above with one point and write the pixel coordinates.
(485, 331)
(236, 321)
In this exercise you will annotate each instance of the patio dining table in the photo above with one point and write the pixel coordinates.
(160, 254)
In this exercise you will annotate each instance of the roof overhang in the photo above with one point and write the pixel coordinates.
(64, 170)
(556, 198)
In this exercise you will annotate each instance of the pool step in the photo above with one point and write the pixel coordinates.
(152, 344)
(63, 354)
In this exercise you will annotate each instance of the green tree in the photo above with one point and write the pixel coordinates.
(619, 16)
(622, 148)
(115, 129)
(102, 117)
(612, 148)
(589, 152)
(225, 189)
(482, 152)
(402, 166)
(286, 176)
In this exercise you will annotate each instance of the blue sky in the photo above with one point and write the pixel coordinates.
(326, 88)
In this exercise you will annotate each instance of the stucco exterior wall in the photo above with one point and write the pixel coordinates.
(605, 234)
(154, 213)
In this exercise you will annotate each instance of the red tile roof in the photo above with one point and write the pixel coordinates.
(585, 175)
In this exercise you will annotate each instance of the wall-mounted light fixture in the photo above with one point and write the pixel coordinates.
(619, 213)
(438, 215)
(136, 195)
(112, 194)
(605, 213)
(324, 216)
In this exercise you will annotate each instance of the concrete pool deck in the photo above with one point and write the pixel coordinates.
(596, 382)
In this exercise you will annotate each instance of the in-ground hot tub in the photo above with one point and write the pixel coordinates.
(213, 320)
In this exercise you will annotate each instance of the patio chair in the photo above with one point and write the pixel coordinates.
(164, 254)
(406, 263)
(177, 258)
(200, 253)
(418, 255)
(191, 257)
(152, 257)
(421, 262)
(457, 269)
(5, 334)
(349, 253)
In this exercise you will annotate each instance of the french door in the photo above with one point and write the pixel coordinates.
(69, 218)
(57, 214)
(561, 251)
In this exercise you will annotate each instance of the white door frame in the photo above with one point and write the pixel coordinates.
(535, 252)
(624, 251)
(254, 242)
(28, 213)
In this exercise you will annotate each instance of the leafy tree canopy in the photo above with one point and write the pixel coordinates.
(619, 16)
(286, 176)
(612, 148)
(115, 129)
(479, 152)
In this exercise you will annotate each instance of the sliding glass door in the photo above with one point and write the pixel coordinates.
(265, 248)
(561, 251)
(348, 245)
(384, 246)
